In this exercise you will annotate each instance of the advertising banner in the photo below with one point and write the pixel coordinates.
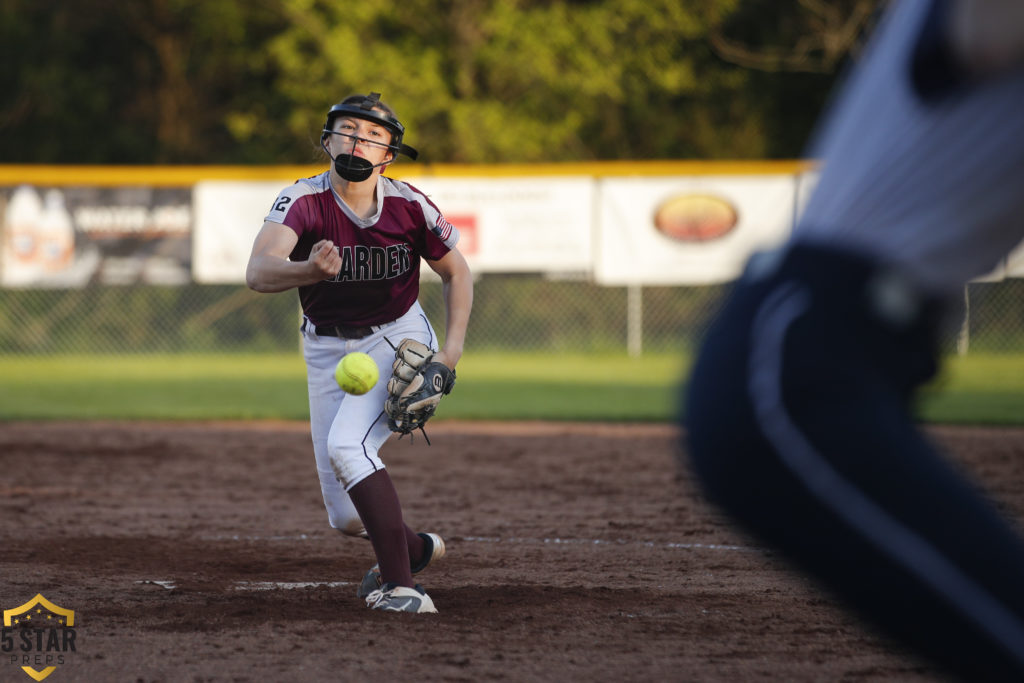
(228, 214)
(505, 224)
(513, 225)
(688, 230)
(74, 236)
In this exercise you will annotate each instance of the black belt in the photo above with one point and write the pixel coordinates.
(341, 331)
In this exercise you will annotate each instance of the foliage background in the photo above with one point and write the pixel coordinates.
(249, 81)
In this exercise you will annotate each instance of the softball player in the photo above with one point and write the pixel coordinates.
(798, 415)
(351, 239)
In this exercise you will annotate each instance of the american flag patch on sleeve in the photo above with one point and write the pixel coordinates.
(443, 228)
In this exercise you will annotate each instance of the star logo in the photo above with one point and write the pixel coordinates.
(38, 634)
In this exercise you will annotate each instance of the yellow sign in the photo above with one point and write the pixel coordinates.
(38, 633)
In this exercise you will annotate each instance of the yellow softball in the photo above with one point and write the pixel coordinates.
(356, 373)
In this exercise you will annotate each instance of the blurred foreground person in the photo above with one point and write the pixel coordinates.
(798, 411)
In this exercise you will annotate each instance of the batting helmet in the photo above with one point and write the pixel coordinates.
(367, 107)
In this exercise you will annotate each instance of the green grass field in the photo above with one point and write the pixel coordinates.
(980, 389)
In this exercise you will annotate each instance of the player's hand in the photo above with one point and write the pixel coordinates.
(324, 259)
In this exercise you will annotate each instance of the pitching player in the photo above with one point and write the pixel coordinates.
(798, 413)
(351, 240)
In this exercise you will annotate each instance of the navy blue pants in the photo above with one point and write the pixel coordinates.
(799, 425)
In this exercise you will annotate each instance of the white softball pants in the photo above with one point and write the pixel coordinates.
(349, 430)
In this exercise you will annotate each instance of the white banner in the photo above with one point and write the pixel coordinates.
(688, 230)
(506, 224)
(518, 224)
(228, 214)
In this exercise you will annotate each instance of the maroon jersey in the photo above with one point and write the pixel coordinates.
(380, 256)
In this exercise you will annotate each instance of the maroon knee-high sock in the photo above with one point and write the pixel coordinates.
(416, 545)
(377, 503)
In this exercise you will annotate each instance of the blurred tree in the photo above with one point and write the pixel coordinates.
(792, 53)
(199, 62)
(106, 81)
(527, 81)
(62, 79)
(811, 36)
(249, 81)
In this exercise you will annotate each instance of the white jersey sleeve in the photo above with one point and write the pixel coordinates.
(288, 198)
(931, 184)
(435, 220)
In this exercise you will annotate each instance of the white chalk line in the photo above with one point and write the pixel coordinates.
(599, 541)
(517, 540)
(259, 585)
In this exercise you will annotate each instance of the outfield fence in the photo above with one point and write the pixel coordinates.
(122, 258)
(511, 312)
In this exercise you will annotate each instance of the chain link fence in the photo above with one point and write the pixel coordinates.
(511, 312)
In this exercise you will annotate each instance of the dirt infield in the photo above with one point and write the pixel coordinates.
(201, 552)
